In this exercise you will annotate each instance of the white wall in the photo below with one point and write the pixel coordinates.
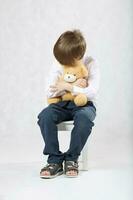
(28, 30)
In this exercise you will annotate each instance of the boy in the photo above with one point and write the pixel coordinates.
(69, 50)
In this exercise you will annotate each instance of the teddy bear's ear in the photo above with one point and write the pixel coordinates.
(84, 72)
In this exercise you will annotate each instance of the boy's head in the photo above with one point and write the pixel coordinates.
(69, 47)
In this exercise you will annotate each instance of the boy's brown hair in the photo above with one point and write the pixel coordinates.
(70, 45)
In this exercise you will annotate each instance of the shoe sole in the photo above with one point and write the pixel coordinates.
(51, 176)
(69, 176)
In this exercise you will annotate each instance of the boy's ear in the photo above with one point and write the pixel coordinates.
(84, 72)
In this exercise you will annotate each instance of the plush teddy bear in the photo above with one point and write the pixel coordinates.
(71, 75)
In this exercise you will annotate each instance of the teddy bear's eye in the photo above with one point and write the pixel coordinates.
(74, 74)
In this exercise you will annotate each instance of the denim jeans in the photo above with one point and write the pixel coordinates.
(54, 114)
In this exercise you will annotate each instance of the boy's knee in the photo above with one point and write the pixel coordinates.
(85, 116)
(45, 114)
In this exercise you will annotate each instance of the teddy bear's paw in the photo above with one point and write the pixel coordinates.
(53, 100)
(67, 97)
(80, 100)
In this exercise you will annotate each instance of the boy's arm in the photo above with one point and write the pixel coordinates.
(93, 82)
(90, 91)
(51, 79)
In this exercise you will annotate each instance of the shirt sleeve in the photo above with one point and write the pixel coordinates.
(93, 81)
(52, 77)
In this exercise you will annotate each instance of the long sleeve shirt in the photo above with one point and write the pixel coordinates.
(93, 80)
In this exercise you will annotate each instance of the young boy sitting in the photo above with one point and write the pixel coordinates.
(69, 50)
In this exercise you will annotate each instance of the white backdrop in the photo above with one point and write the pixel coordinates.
(28, 30)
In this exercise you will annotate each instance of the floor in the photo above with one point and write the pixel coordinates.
(21, 181)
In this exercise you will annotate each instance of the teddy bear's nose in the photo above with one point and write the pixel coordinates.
(68, 76)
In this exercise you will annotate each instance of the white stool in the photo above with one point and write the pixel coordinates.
(83, 160)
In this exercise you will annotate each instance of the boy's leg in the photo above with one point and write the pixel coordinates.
(83, 122)
(48, 120)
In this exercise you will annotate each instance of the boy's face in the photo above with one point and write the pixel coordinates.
(76, 62)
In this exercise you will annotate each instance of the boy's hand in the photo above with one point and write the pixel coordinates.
(81, 83)
(61, 86)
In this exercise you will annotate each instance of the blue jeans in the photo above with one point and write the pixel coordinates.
(54, 114)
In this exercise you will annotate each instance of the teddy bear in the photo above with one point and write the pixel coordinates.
(71, 75)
